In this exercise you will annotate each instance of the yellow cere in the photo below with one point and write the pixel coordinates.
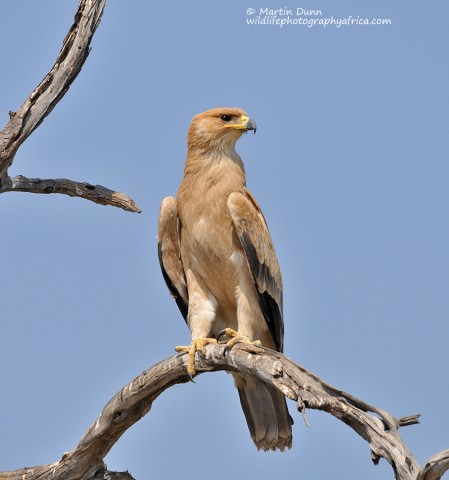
(241, 126)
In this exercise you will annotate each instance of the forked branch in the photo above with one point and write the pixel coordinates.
(40, 103)
(379, 428)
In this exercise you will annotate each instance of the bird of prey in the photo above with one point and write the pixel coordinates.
(219, 263)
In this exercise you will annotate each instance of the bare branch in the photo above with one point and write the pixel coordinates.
(297, 383)
(410, 420)
(50, 471)
(53, 87)
(435, 467)
(40, 103)
(94, 193)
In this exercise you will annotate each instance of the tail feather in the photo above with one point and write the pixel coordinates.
(266, 413)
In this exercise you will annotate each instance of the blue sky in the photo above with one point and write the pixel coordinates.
(350, 165)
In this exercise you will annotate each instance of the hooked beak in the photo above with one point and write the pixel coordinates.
(251, 125)
(245, 123)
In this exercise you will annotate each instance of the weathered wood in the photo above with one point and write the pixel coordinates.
(435, 467)
(71, 58)
(94, 193)
(379, 428)
(53, 87)
(48, 471)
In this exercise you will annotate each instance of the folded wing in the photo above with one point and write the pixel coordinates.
(169, 251)
(254, 236)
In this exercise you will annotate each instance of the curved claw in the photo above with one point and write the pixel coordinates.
(223, 333)
(235, 338)
(197, 345)
(228, 332)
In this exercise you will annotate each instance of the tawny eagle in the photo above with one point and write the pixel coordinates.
(219, 263)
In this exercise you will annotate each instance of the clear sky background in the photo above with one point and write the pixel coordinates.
(350, 165)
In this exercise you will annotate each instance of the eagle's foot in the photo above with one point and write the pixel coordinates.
(236, 338)
(197, 345)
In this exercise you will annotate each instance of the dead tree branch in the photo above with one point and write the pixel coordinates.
(379, 428)
(94, 193)
(435, 467)
(40, 103)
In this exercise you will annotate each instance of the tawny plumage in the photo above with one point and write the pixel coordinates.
(219, 263)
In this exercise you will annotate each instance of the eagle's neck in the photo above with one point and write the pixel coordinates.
(217, 160)
(209, 179)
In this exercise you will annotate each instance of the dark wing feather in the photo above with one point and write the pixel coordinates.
(169, 252)
(252, 231)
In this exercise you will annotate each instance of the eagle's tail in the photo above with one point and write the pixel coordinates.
(266, 413)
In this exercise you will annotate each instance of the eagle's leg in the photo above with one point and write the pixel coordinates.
(197, 345)
(236, 338)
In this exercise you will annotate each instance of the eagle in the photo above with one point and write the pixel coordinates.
(219, 263)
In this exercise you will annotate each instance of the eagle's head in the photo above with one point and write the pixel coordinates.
(218, 129)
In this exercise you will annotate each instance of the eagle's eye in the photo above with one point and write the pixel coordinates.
(225, 118)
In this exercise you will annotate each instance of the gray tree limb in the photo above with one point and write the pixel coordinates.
(71, 58)
(94, 193)
(378, 428)
(435, 467)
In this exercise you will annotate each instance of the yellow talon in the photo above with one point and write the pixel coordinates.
(237, 338)
(197, 345)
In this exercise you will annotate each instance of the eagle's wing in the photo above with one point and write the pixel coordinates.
(252, 231)
(169, 250)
